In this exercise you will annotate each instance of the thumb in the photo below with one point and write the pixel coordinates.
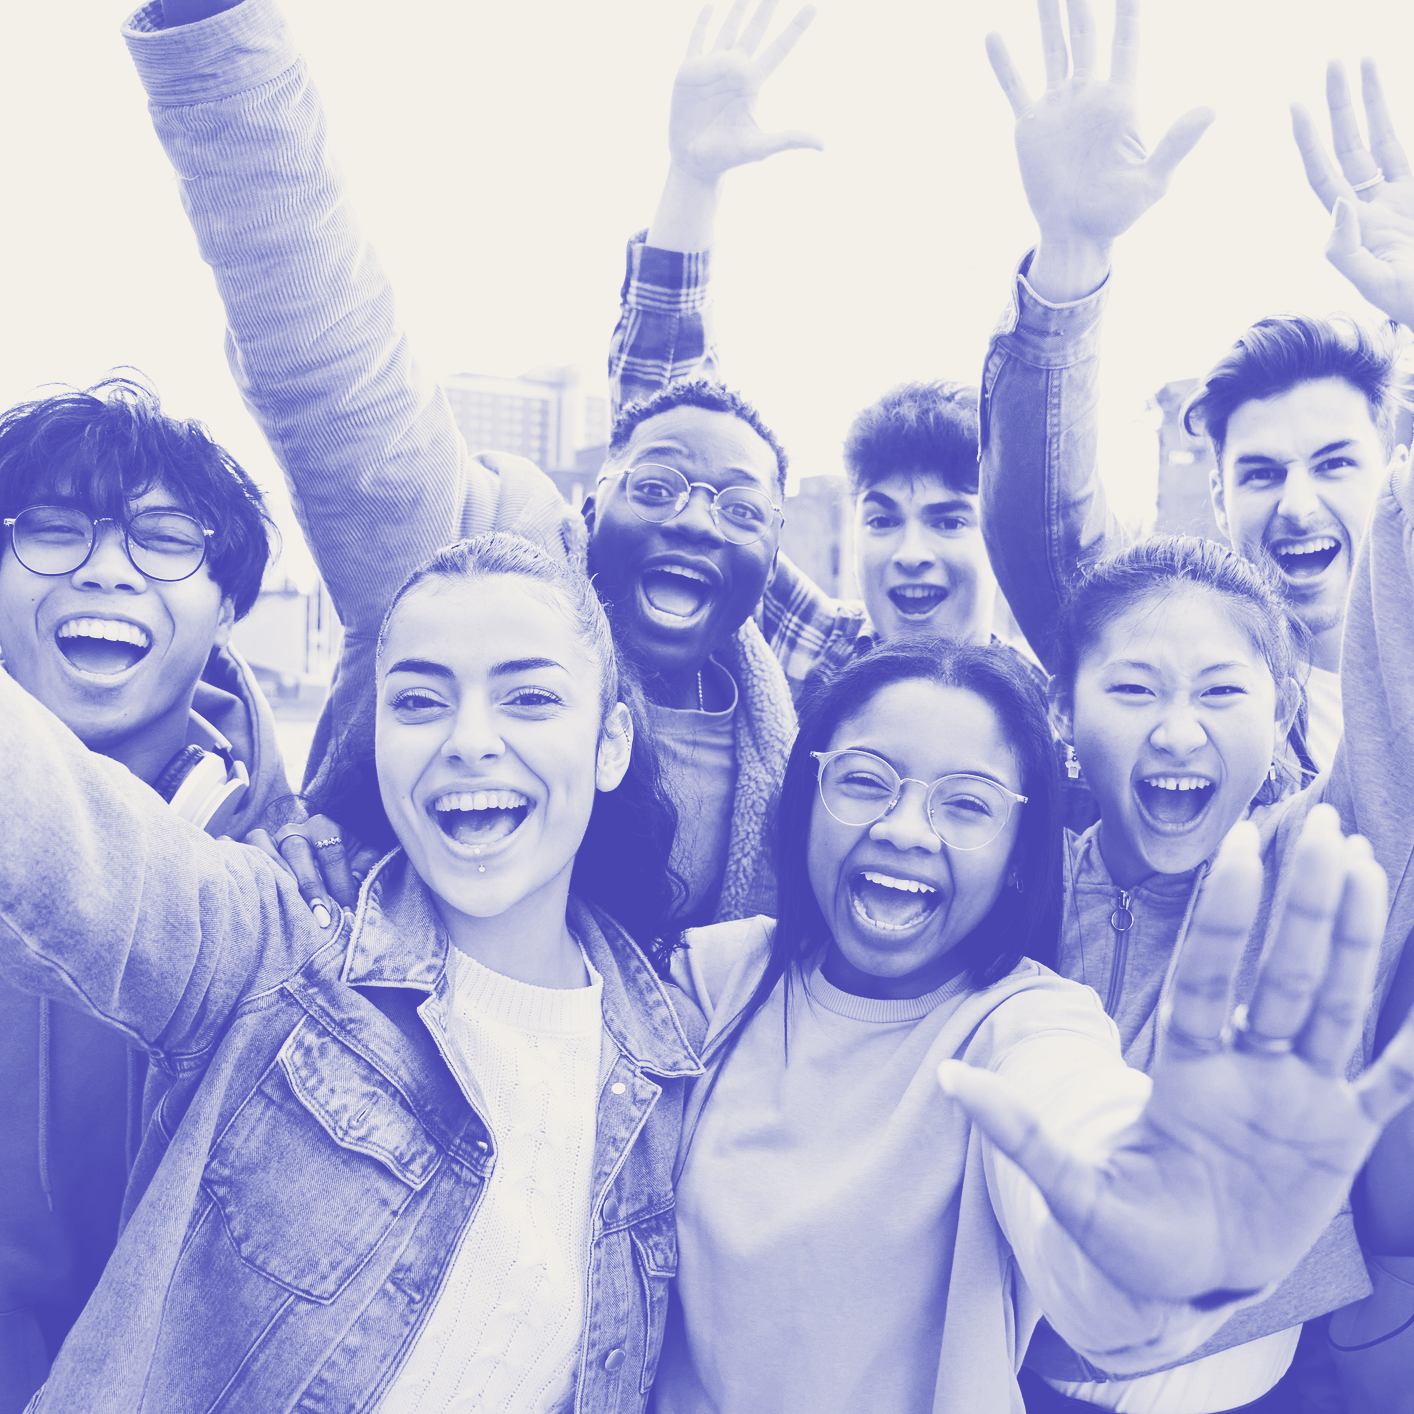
(1003, 1114)
(1345, 250)
(1177, 143)
(768, 144)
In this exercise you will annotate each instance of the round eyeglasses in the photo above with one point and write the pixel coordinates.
(659, 493)
(965, 812)
(162, 544)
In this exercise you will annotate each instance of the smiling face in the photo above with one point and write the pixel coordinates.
(922, 566)
(1297, 480)
(114, 655)
(680, 589)
(1174, 719)
(897, 900)
(491, 743)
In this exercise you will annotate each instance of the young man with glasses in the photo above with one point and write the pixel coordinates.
(131, 546)
(382, 478)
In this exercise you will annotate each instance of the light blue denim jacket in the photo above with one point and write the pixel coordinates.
(307, 1174)
(1045, 517)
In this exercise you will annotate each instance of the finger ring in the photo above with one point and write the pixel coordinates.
(1372, 182)
(324, 844)
(1244, 1038)
(1204, 1045)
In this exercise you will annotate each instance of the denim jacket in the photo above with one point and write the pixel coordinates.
(307, 1174)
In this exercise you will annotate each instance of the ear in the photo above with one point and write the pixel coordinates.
(615, 748)
(1400, 459)
(225, 622)
(1060, 709)
(1218, 493)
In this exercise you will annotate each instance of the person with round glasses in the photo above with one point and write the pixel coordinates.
(914, 1139)
(163, 543)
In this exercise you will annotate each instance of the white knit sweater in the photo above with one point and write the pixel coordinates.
(505, 1333)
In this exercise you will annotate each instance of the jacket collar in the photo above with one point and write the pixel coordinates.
(397, 940)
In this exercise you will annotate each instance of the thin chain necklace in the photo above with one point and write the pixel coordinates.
(700, 707)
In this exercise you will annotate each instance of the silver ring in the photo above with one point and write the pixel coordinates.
(1372, 182)
(1204, 1045)
(324, 844)
(1244, 1038)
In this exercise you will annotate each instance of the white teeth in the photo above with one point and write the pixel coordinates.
(481, 800)
(1177, 782)
(683, 570)
(908, 886)
(1318, 546)
(918, 591)
(114, 630)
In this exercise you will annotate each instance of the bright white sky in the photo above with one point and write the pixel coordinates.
(500, 154)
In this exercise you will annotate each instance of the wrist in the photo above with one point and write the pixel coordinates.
(686, 217)
(1066, 269)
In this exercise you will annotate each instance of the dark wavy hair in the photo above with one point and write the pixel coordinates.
(1023, 922)
(1276, 354)
(922, 427)
(102, 447)
(696, 393)
(622, 864)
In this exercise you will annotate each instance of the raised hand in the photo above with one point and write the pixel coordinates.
(1087, 175)
(324, 861)
(1371, 193)
(1251, 1135)
(712, 121)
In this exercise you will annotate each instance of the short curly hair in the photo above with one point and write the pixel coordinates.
(916, 427)
(107, 445)
(697, 393)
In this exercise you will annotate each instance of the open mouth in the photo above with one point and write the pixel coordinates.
(676, 590)
(106, 646)
(894, 904)
(1305, 559)
(480, 818)
(917, 601)
(1174, 802)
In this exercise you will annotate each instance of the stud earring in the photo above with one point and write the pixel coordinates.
(480, 868)
(1072, 763)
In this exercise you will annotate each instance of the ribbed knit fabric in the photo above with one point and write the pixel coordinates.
(505, 1333)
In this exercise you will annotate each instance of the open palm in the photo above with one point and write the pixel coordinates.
(1373, 241)
(1086, 171)
(1250, 1139)
(712, 124)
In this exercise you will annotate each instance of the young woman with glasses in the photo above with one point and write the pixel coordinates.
(422, 1158)
(854, 1235)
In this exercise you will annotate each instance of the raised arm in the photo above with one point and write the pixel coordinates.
(377, 469)
(664, 331)
(1087, 178)
(1247, 1144)
(111, 903)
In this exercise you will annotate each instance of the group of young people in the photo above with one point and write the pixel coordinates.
(673, 988)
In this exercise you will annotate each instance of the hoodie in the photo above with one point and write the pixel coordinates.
(71, 1099)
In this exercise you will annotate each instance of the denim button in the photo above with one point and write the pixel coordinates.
(482, 1146)
(618, 1087)
(611, 1210)
(613, 1360)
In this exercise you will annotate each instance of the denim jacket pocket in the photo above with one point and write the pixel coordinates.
(317, 1165)
(655, 1248)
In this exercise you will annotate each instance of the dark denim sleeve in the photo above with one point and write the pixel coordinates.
(111, 903)
(1044, 513)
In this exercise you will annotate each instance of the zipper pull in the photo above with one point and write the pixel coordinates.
(1122, 920)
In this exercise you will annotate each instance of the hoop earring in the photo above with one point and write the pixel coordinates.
(1072, 763)
(1015, 882)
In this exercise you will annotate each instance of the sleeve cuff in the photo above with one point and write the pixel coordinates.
(216, 58)
(663, 281)
(1050, 335)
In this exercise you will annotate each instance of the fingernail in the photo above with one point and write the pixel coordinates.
(1358, 847)
(948, 1072)
(321, 914)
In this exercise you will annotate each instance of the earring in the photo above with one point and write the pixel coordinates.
(1272, 772)
(1072, 764)
(1015, 881)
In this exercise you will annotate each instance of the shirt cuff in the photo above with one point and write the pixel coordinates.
(1048, 335)
(216, 58)
(664, 281)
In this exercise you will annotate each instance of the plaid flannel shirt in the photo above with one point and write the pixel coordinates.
(664, 335)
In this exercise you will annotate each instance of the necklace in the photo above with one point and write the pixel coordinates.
(700, 707)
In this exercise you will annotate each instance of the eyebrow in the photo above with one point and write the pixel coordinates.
(645, 454)
(1150, 668)
(1262, 459)
(971, 771)
(960, 503)
(427, 668)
